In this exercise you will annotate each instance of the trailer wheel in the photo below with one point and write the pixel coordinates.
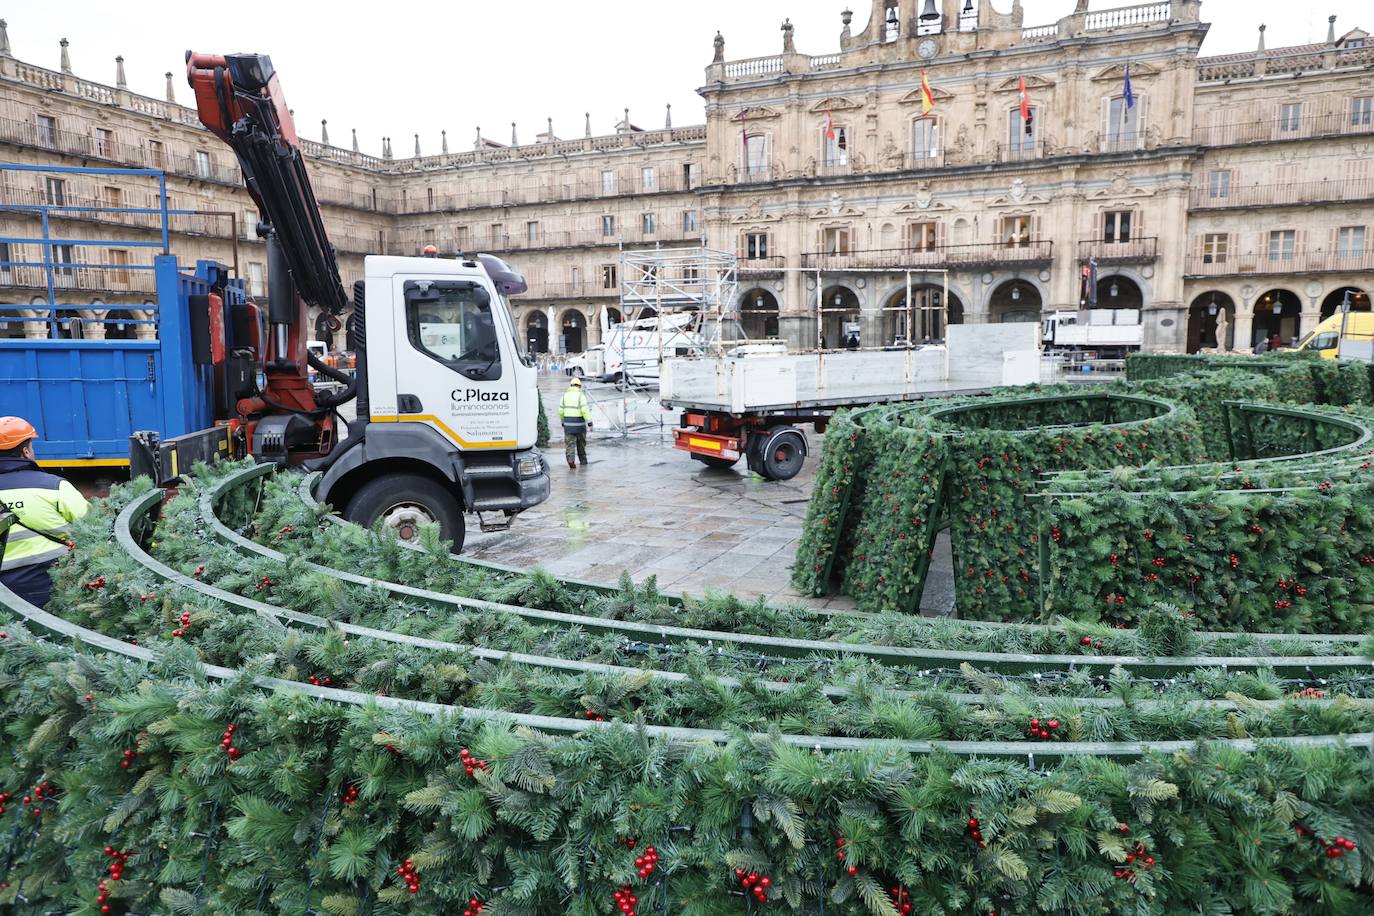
(713, 462)
(780, 453)
(404, 502)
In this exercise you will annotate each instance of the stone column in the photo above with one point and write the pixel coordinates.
(1245, 316)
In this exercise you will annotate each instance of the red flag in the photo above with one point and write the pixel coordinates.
(927, 97)
(829, 125)
(1025, 106)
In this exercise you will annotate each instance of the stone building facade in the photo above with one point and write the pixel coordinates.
(1235, 186)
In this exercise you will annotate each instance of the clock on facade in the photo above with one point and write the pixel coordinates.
(928, 48)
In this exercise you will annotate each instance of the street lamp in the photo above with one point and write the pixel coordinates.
(1015, 293)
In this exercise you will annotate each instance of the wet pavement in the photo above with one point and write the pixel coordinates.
(640, 506)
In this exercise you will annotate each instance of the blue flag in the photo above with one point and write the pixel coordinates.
(1126, 93)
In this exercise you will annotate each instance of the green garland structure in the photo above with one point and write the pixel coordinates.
(1195, 483)
(237, 704)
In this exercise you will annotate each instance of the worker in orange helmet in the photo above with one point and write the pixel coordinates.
(41, 507)
(431, 251)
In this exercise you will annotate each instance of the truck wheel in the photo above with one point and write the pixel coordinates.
(404, 502)
(781, 454)
(712, 462)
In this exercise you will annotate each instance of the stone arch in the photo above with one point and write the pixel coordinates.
(572, 330)
(536, 326)
(1018, 299)
(927, 313)
(1130, 292)
(1203, 318)
(758, 314)
(148, 314)
(1331, 305)
(1277, 311)
(840, 312)
(887, 236)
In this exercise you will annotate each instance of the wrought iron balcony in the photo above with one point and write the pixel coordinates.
(1281, 194)
(1280, 263)
(1132, 251)
(1038, 253)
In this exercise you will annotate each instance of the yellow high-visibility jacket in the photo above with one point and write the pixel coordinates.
(575, 404)
(45, 506)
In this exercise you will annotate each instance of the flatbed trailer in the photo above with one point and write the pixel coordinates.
(752, 406)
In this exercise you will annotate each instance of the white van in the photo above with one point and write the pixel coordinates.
(632, 351)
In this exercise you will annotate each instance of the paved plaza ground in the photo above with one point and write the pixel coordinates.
(645, 508)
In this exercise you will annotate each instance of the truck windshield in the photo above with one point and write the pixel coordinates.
(452, 323)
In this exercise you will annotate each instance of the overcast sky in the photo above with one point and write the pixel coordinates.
(397, 70)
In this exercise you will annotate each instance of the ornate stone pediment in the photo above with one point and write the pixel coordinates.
(756, 113)
(924, 203)
(835, 103)
(914, 96)
(1117, 72)
(831, 213)
(1033, 83)
(1119, 189)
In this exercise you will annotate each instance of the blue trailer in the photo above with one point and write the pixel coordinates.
(87, 397)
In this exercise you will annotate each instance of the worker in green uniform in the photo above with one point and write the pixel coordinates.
(43, 507)
(575, 413)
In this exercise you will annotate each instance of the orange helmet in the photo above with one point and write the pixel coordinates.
(15, 431)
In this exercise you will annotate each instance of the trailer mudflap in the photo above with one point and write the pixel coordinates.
(699, 443)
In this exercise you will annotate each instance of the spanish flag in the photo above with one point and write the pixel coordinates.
(927, 97)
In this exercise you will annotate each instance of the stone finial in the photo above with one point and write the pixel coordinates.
(477, 144)
(443, 142)
(355, 140)
(589, 125)
(417, 146)
(551, 137)
(720, 49)
(627, 120)
(66, 57)
(386, 147)
(668, 117)
(788, 44)
(513, 140)
(5, 39)
(1260, 49)
(171, 89)
(1331, 30)
(846, 18)
(121, 81)
(324, 131)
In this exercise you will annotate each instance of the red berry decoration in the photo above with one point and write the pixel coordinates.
(411, 877)
(470, 762)
(227, 743)
(350, 795)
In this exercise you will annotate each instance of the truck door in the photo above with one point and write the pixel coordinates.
(451, 370)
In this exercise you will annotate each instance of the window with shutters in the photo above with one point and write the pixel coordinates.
(647, 223)
(1116, 226)
(648, 179)
(202, 164)
(112, 197)
(1283, 243)
(1219, 184)
(756, 245)
(608, 182)
(63, 259)
(55, 192)
(1350, 241)
(1123, 123)
(756, 155)
(835, 240)
(608, 276)
(156, 157)
(256, 286)
(607, 226)
(104, 143)
(924, 236)
(460, 237)
(925, 139)
(1021, 133)
(1215, 246)
(532, 231)
(1015, 231)
(689, 221)
(689, 175)
(1290, 117)
(47, 130)
(835, 149)
(119, 260)
(1362, 111)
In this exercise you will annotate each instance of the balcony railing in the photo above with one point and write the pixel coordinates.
(991, 254)
(755, 266)
(1282, 61)
(1298, 262)
(410, 242)
(1132, 251)
(580, 290)
(544, 192)
(1128, 16)
(1274, 128)
(1022, 150)
(1277, 195)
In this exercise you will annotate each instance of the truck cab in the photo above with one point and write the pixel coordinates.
(447, 401)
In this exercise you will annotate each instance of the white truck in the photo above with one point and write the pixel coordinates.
(632, 351)
(1112, 333)
(751, 404)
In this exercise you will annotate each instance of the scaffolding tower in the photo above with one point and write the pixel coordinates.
(668, 281)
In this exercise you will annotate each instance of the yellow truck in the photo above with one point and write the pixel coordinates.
(1327, 337)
